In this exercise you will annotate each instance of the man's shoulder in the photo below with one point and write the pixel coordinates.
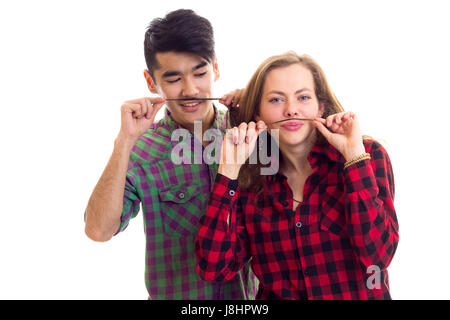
(153, 145)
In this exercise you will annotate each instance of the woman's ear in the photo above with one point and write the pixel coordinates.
(150, 83)
(321, 110)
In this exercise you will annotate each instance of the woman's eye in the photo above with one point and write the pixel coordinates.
(304, 98)
(275, 100)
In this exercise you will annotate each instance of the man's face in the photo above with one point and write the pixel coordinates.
(185, 75)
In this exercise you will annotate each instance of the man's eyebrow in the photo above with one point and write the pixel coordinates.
(170, 73)
(200, 65)
(173, 73)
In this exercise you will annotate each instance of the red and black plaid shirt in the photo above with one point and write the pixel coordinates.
(337, 244)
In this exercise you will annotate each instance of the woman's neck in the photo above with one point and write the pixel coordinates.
(295, 158)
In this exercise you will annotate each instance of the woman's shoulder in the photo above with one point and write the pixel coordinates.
(374, 148)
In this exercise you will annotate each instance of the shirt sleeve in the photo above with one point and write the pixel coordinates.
(131, 200)
(371, 219)
(222, 245)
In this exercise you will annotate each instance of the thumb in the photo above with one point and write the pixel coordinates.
(322, 129)
(156, 108)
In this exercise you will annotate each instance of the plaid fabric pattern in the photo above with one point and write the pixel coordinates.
(328, 248)
(173, 198)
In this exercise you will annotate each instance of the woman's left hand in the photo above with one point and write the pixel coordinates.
(342, 132)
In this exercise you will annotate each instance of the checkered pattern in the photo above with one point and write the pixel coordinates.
(173, 197)
(328, 248)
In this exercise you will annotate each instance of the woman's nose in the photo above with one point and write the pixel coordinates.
(291, 111)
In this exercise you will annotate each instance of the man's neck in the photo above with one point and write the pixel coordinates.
(206, 124)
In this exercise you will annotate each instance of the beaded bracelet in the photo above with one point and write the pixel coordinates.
(364, 156)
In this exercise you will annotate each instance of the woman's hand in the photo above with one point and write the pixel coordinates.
(238, 144)
(342, 131)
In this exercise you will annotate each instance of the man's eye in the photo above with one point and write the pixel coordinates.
(173, 81)
(200, 74)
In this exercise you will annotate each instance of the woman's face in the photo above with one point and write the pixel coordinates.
(288, 92)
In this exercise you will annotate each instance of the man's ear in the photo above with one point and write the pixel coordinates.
(150, 83)
(216, 70)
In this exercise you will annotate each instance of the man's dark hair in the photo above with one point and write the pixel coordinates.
(180, 31)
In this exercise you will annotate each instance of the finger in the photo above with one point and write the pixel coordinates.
(144, 108)
(336, 124)
(321, 120)
(137, 110)
(242, 132)
(150, 108)
(346, 116)
(322, 129)
(260, 126)
(235, 134)
(251, 132)
(156, 107)
(129, 108)
(225, 100)
(338, 117)
(329, 120)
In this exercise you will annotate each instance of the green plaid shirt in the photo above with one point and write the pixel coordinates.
(173, 198)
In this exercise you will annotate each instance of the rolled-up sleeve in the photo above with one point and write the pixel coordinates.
(131, 200)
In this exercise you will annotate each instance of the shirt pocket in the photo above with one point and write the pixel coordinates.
(181, 208)
(332, 218)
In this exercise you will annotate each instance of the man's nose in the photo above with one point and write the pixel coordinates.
(190, 88)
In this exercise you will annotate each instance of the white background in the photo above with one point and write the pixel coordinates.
(66, 67)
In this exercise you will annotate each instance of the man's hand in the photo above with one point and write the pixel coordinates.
(231, 99)
(137, 116)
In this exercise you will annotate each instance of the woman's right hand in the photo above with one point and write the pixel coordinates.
(137, 116)
(238, 144)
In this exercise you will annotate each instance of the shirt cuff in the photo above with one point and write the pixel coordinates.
(225, 189)
(359, 176)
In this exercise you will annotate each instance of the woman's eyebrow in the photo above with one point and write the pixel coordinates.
(283, 93)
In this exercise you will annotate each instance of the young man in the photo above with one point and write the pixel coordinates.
(179, 52)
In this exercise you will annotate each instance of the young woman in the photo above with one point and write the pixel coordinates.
(324, 225)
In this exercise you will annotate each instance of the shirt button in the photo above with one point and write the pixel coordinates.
(181, 195)
(231, 192)
(285, 203)
(298, 224)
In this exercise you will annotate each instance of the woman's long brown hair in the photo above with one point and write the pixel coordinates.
(250, 178)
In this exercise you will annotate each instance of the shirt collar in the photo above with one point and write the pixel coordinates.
(321, 151)
(325, 150)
